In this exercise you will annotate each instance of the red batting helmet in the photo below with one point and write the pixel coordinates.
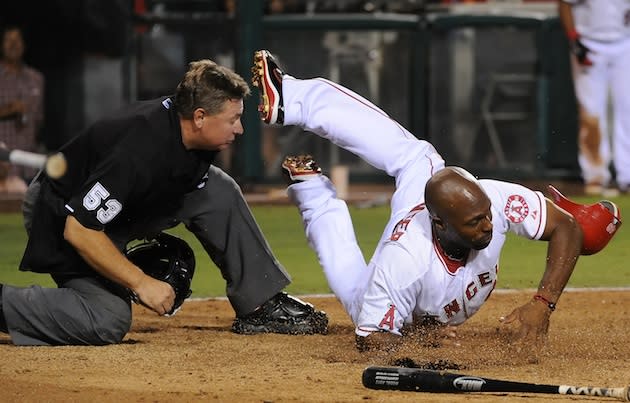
(599, 221)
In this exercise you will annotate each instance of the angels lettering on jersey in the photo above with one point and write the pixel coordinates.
(413, 277)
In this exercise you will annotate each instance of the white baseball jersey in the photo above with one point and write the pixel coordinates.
(413, 277)
(408, 274)
(601, 20)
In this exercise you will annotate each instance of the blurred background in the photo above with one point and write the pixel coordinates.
(487, 82)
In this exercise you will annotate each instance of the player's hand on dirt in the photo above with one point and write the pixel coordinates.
(581, 53)
(533, 322)
(155, 294)
(438, 336)
(378, 341)
(428, 331)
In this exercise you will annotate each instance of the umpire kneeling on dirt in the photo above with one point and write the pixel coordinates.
(130, 176)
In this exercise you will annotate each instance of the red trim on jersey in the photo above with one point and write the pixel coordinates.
(540, 209)
(451, 265)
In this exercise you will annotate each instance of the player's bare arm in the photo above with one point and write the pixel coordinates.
(98, 251)
(565, 242)
(566, 16)
(564, 235)
(579, 50)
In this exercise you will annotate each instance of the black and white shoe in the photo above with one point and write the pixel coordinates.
(283, 314)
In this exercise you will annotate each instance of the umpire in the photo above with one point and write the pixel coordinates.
(130, 176)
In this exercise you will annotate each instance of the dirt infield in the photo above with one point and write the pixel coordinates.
(194, 357)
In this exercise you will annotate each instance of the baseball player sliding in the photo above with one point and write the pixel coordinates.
(438, 256)
(599, 35)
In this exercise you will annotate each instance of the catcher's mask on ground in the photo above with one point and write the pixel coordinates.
(599, 221)
(166, 258)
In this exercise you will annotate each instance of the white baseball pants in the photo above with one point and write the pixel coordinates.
(611, 63)
(355, 124)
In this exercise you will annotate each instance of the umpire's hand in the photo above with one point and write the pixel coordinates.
(155, 294)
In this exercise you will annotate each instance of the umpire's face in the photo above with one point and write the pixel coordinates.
(218, 131)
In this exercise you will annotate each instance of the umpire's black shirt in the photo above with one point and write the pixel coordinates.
(130, 166)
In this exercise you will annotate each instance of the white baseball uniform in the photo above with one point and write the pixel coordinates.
(604, 28)
(408, 275)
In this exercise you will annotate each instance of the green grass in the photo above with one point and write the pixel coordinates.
(521, 266)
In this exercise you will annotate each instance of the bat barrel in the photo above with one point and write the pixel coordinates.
(424, 380)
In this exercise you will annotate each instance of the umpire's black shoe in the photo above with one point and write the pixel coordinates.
(283, 314)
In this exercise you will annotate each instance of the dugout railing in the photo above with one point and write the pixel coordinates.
(492, 92)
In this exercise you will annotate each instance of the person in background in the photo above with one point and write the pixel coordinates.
(599, 39)
(21, 98)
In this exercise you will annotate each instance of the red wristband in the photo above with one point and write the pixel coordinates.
(550, 305)
(572, 35)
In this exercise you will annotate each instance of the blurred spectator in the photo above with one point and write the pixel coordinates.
(599, 39)
(21, 98)
(284, 6)
(10, 185)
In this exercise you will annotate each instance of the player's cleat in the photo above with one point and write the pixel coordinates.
(267, 76)
(300, 168)
(283, 314)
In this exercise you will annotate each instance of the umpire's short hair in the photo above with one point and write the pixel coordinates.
(208, 85)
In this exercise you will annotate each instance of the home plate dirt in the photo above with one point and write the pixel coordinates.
(193, 356)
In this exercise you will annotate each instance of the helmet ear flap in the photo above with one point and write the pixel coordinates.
(599, 221)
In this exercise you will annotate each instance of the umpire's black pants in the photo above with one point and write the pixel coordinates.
(86, 310)
(221, 220)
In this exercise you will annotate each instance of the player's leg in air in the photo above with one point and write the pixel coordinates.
(355, 124)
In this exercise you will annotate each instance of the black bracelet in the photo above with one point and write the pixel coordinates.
(550, 305)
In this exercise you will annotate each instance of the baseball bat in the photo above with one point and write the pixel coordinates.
(55, 164)
(426, 380)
